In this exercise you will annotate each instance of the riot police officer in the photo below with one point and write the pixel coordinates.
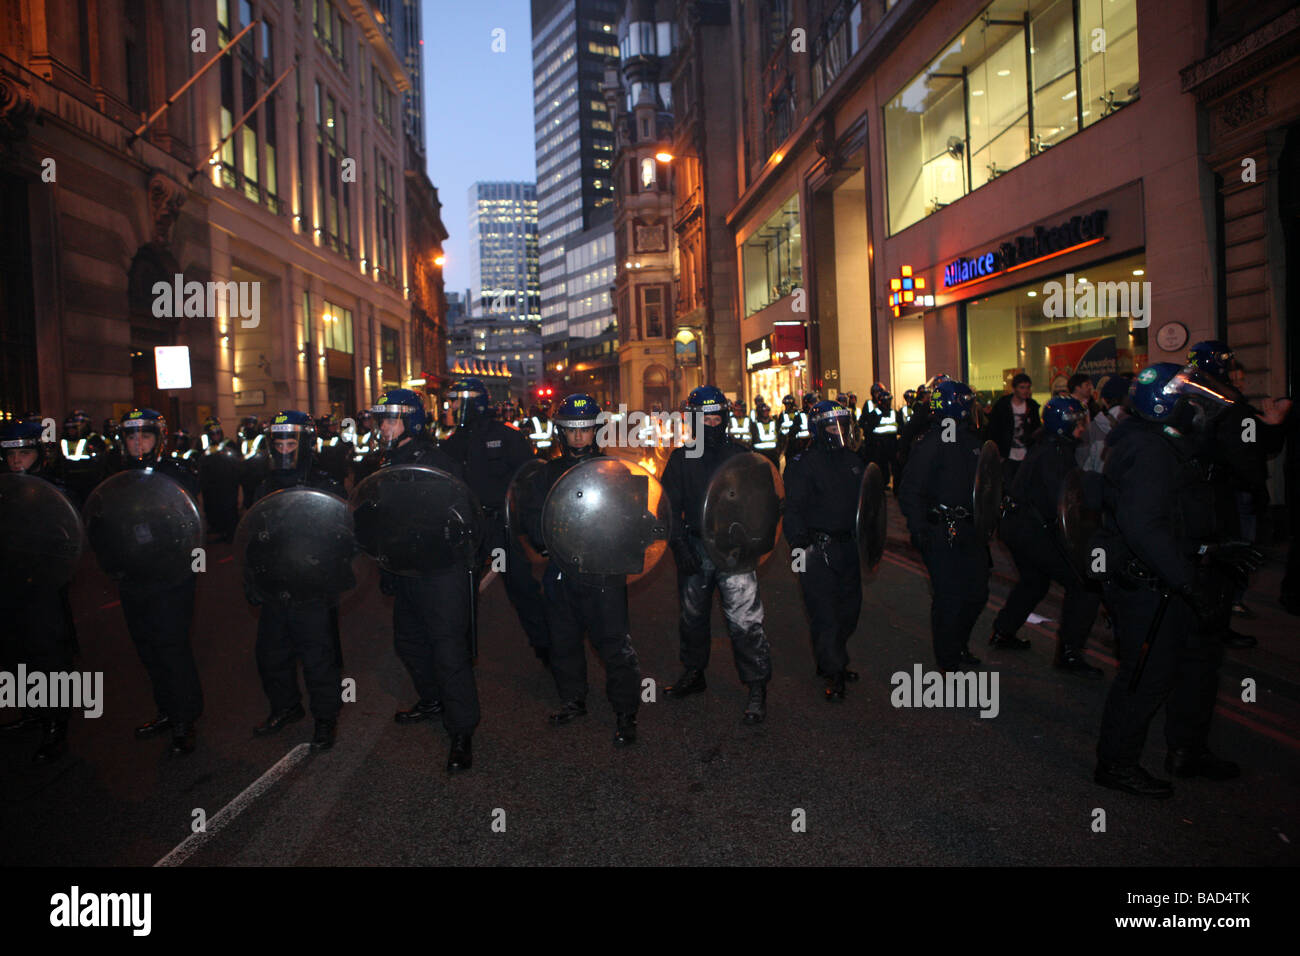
(158, 613)
(541, 433)
(936, 500)
(822, 487)
(1152, 519)
(879, 424)
(365, 452)
(38, 616)
(431, 614)
(490, 453)
(738, 424)
(182, 446)
(685, 481)
(112, 447)
(306, 631)
(333, 452)
(218, 464)
(1030, 532)
(578, 603)
(82, 454)
(790, 423)
(254, 462)
(764, 435)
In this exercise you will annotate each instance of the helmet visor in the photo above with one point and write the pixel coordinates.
(288, 447)
(833, 427)
(1202, 388)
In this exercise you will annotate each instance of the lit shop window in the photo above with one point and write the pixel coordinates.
(773, 258)
(1006, 89)
(1052, 331)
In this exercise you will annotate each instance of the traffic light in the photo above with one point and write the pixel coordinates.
(545, 391)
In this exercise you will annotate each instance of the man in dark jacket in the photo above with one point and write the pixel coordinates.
(1012, 423)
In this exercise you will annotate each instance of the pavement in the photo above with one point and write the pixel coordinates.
(859, 783)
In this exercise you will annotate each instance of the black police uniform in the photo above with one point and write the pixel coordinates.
(1154, 500)
(1030, 533)
(219, 483)
(159, 617)
(916, 425)
(881, 448)
(85, 466)
(942, 473)
(39, 633)
(253, 467)
(490, 453)
(335, 457)
(685, 481)
(431, 617)
(822, 487)
(581, 603)
(302, 630)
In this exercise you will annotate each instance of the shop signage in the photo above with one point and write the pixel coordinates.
(1043, 243)
(758, 354)
(791, 340)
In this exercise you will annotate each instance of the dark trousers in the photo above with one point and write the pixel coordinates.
(287, 634)
(1182, 672)
(741, 608)
(883, 450)
(523, 590)
(38, 633)
(430, 635)
(1039, 563)
(573, 608)
(959, 585)
(221, 506)
(832, 593)
(159, 621)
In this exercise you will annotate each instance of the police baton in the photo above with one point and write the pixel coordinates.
(1145, 651)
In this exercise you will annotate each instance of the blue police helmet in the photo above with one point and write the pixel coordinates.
(1212, 357)
(300, 427)
(473, 395)
(824, 414)
(1159, 389)
(708, 400)
(1062, 413)
(404, 404)
(951, 399)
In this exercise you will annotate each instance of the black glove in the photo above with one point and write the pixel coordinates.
(1201, 601)
(387, 583)
(1240, 556)
(684, 555)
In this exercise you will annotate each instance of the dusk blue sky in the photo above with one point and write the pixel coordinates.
(478, 108)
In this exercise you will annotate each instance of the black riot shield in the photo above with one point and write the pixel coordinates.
(41, 536)
(606, 516)
(1078, 516)
(741, 518)
(416, 520)
(987, 495)
(296, 545)
(516, 499)
(219, 467)
(144, 526)
(870, 526)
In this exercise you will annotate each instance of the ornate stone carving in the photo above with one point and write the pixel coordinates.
(651, 238)
(166, 196)
(17, 108)
(1244, 107)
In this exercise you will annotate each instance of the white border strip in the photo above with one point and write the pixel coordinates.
(191, 844)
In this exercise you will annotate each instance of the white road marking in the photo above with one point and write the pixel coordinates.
(191, 844)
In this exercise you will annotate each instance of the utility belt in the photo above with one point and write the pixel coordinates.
(950, 516)
(1133, 575)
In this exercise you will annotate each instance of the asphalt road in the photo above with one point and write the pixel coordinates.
(876, 784)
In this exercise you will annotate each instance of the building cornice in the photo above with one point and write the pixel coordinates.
(1248, 58)
(378, 40)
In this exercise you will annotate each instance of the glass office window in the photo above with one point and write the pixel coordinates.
(772, 258)
(1004, 90)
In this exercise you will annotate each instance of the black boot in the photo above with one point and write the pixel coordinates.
(691, 682)
(970, 660)
(569, 711)
(422, 710)
(323, 738)
(461, 756)
(1072, 662)
(1007, 642)
(1199, 762)
(54, 741)
(277, 722)
(834, 692)
(756, 709)
(1132, 780)
(182, 738)
(153, 728)
(625, 731)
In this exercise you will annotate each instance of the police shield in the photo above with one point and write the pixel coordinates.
(143, 525)
(516, 500)
(296, 545)
(869, 528)
(219, 467)
(606, 516)
(40, 535)
(416, 520)
(987, 497)
(1078, 516)
(741, 517)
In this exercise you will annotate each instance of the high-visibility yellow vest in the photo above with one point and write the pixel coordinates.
(81, 451)
(766, 435)
(888, 424)
(543, 433)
